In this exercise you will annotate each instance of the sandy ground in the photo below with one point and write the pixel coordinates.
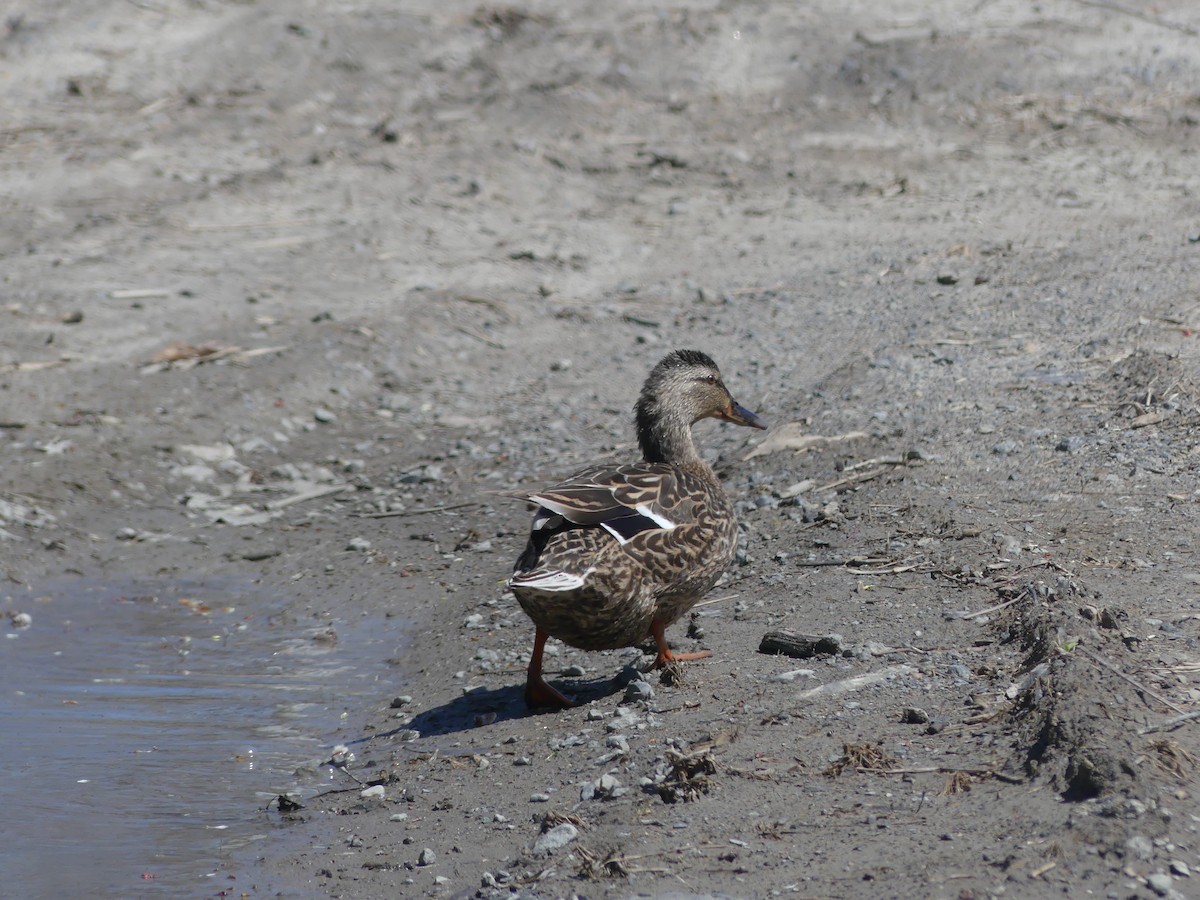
(272, 268)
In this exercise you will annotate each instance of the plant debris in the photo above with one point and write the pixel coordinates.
(593, 866)
(860, 756)
(688, 775)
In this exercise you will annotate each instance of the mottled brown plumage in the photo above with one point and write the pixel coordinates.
(618, 553)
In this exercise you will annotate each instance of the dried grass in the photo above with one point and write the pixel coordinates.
(860, 756)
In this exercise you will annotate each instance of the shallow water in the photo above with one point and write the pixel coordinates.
(145, 726)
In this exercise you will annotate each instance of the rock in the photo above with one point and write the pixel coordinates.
(358, 545)
(573, 672)
(639, 691)
(522, 761)
(556, 838)
(539, 798)
(197, 472)
(625, 720)
(914, 715)
(1139, 847)
(398, 817)
(961, 673)
(375, 792)
(323, 415)
(1180, 868)
(402, 700)
(606, 787)
(793, 675)
(427, 858)
(1161, 883)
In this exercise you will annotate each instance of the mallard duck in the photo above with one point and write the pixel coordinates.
(617, 553)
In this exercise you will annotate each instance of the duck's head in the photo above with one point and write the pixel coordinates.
(682, 389)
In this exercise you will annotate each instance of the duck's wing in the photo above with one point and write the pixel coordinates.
(623, 500)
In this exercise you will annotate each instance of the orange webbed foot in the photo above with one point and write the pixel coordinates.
(537, 691)
(665, 656)
(665, 659)
(540, 694)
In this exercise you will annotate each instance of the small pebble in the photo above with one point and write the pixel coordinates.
(539, 798)
(1180, 868)
(324, 415)
(400, 701)
(427, 858)
(573, 672)
(398, 817)
(522, 761)
(914, 715)
(358, 545)
(375, 792)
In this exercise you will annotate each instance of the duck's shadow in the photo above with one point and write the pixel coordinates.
(488, 706)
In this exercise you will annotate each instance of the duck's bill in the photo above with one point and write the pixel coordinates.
(739, 415)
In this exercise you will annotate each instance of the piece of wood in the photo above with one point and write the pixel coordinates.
(798, 646)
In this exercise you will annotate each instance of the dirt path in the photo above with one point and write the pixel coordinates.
(272, 268)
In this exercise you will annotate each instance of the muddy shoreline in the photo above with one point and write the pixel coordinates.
(296, 292)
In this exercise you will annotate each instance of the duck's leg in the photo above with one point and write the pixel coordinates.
(537, 691)
(665, 657)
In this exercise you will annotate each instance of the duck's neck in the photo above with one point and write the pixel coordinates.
(665, 434)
